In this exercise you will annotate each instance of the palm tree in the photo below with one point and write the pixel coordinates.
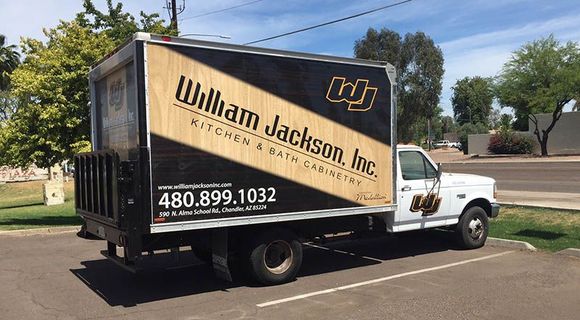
(9, 60)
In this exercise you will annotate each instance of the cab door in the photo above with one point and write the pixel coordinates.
(416, 177)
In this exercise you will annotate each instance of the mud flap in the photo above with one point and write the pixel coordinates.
(219, 240)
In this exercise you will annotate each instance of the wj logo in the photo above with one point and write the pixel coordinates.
(428, 205)
(116, 92)
(360, 96)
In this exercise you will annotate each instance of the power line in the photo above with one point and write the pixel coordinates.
(221, 10)
(330, 22)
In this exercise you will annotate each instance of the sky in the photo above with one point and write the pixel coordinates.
(476, 36)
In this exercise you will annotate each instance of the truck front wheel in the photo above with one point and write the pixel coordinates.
(275, 257)
(472, 229)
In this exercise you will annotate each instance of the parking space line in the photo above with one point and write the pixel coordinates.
(343, 252)
(368, 282)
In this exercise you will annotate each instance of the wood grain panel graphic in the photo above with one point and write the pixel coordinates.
(199, 106)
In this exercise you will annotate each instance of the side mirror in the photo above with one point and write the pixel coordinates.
(439, 170)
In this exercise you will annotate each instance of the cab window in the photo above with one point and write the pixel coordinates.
(415, 166)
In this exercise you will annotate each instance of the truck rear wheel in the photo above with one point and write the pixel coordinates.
(275, 257)
(472, 229)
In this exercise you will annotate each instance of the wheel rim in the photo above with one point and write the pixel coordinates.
(475, 228)
(278, 256)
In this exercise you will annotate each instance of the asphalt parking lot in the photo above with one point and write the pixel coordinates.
(415, 276)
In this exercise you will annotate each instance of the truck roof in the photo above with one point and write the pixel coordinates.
(235, 47)
(408, 147)
(149, 37)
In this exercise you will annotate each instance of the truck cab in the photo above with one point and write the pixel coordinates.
(427, 198)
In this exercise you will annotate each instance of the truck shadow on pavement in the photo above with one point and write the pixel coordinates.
(22, 205)
(118, 287)
(367, 251)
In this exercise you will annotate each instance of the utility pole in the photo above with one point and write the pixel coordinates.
(174, 16)
(174, 11)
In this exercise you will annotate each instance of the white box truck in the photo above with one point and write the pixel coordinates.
(248, 152)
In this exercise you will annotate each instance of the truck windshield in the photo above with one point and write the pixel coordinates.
(414, 166)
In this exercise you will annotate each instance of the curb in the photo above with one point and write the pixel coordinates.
(572, 252)
(503, 203)
(40, 231)
(513, 244)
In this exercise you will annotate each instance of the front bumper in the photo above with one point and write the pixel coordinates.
(495, 209)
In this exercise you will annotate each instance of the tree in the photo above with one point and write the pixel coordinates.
(380, 46)
(9, 60)
(437, 124)
(472, 99)
(419, 64)
(520, 122)
(505, 122)
(118, 25)
(448, 124)
(494, 118)
(541, 77)
(52, 122)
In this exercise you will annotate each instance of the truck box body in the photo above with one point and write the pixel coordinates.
(204, 144)
(231, 135)
(236, 124)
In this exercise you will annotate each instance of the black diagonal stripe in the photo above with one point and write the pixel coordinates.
(304, 83)
(174, 163)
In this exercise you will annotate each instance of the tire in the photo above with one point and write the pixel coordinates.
(274, 257)
(473, 228)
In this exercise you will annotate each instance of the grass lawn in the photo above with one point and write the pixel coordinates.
(21, 207)
(545, 229)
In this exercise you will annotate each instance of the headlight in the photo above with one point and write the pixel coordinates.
(495, 190)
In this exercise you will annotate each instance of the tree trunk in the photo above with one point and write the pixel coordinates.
(543, 139)
(544, 145)
(49, 173)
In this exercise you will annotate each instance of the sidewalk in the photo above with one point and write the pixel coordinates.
(455, 156)
(570, 201)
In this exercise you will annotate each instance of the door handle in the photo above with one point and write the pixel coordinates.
(406, 188)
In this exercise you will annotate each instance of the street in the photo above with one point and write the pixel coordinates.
(521, 175)
(412, 276)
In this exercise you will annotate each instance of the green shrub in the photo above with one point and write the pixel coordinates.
(508, 142)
